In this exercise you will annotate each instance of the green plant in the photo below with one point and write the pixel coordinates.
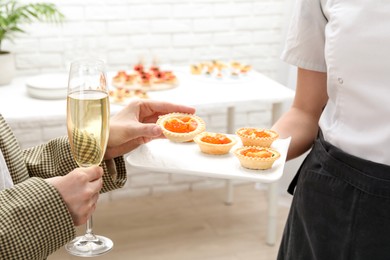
(14, 14)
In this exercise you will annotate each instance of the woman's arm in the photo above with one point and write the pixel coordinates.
(301, 120)
(34, 221)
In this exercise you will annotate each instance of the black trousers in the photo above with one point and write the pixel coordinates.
(340, 209)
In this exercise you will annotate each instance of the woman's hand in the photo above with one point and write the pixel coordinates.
(80, 191)
(135, 124)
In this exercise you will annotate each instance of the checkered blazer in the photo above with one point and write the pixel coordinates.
(34, 221)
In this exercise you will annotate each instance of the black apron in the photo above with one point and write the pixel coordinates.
(340, 209)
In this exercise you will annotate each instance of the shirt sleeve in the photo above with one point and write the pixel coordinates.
(55, 159)
(305, 41)
(34, 221)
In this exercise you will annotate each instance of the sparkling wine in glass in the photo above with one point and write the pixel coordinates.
(88, 113)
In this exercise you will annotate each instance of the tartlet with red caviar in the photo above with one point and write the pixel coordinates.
(214, 143)
(181, 127)
(256, 158)
(251, 136)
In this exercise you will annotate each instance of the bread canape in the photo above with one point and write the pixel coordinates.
(214, 143)
(256, 158)
(196, 69)
(251, 136)
(181, 127)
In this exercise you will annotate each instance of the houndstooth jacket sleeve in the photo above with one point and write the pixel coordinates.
(34, 221)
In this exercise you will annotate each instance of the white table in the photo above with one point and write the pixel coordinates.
(16, 105)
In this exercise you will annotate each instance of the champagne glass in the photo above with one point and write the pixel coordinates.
(88, 113)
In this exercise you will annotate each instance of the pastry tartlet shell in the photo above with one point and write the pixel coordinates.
(215, 149)
(256, 141)
(256, 163)
(181, 137)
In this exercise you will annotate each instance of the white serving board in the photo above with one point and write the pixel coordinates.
(163, 155)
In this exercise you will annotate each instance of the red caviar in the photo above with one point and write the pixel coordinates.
(216, 139)
(257, 133)
(181, 125)
(259, 153)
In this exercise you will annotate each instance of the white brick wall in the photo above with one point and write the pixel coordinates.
(172, 31)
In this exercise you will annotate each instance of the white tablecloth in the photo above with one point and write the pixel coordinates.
(16, 104)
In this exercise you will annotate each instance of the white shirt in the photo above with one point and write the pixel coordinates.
(5, 177)
(350, 40)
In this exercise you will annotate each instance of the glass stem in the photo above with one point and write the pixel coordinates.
(88, 231)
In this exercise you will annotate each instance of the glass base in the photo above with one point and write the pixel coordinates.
(89, 245)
